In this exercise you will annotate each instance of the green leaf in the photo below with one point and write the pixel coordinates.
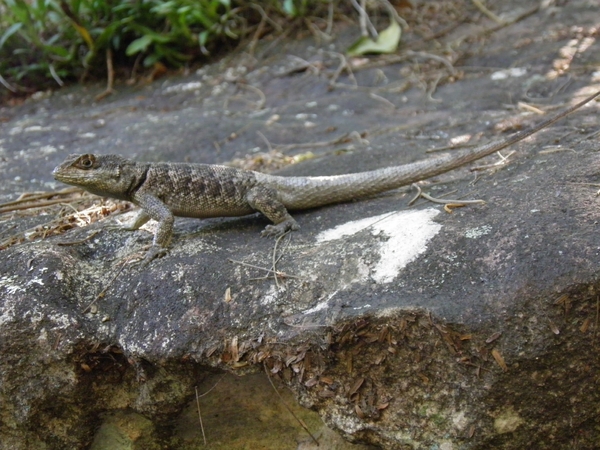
(387, 42)
(109, 33)
(289, 8)
(163, 8)
(203, 37)
(139, 45)
(201, 18)
(20, 10)
(116, 42)
(150, 60)
(56, 50)
(75, 5)
(121, 7)
(149, 33)
(8, 33)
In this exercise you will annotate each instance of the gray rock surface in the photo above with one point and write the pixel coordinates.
(404, 327)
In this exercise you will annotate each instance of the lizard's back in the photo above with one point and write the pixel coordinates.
(201, 190)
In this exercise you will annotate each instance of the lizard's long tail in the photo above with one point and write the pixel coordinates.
(310, 192)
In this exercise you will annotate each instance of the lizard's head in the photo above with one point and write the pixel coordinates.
(107, 175)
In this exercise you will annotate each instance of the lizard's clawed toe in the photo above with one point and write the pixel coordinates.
(279, 229)
(153, 253)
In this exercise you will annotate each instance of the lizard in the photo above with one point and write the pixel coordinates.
(166, 189)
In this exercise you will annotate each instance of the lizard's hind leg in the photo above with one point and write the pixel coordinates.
(265, 200)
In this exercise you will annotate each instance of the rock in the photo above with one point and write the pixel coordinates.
(402, 327)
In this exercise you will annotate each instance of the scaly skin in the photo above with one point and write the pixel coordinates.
(165, 190)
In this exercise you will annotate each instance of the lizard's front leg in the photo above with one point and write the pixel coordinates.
(264, 200)
(154, 208)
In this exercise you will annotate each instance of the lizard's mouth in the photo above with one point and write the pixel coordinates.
(56, 173)
(60, 175)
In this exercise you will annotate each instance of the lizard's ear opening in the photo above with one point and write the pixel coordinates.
(85, 162)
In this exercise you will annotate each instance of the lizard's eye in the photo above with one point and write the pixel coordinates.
(86, 162)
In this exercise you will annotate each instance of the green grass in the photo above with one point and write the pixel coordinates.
(53, 41)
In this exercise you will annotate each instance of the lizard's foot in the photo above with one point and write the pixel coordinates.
(153, 252)
(280, 228)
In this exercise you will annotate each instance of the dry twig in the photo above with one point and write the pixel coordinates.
(300, 421)
(481, 7)
(110, 76)
(200, 414)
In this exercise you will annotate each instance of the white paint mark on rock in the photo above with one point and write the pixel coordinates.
(406, 234)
